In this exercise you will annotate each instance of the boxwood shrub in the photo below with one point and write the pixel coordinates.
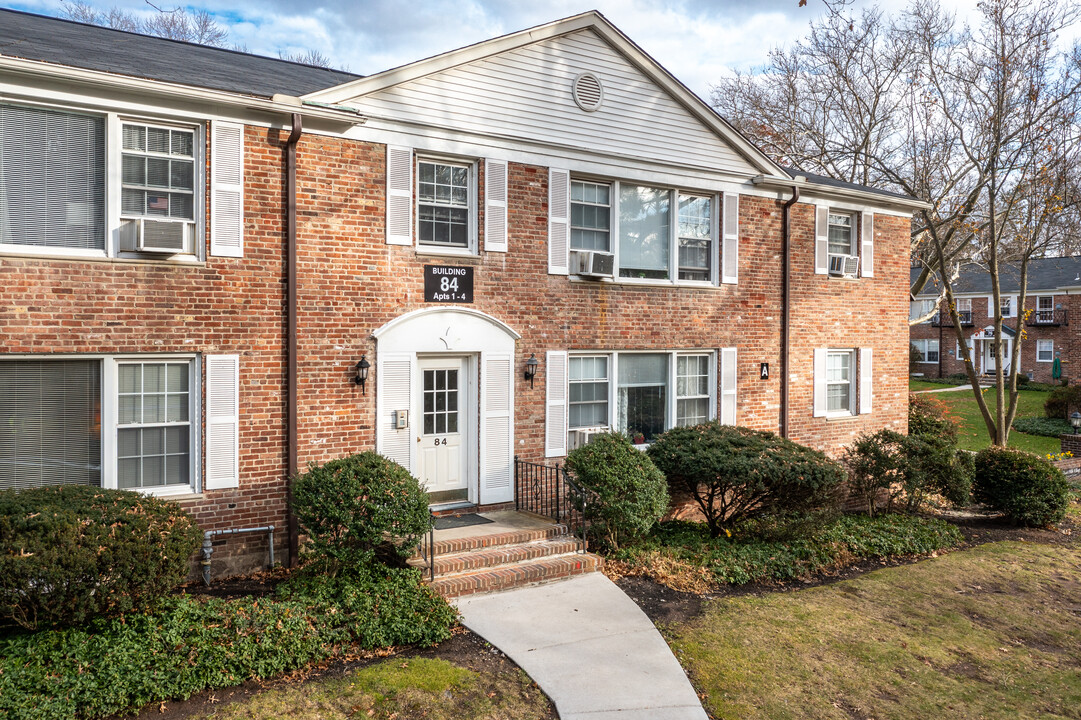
(735, 473)
(631, 494)
(350, 506)
(1027, 488)
(70, 553)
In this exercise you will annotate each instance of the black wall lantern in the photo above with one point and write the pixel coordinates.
(531, 368)
(1075, 420)
(362, 373)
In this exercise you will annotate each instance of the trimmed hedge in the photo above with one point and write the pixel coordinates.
(735, 472)
(631, 494)
(70, 553)
(350, 506)
(116, 665)
(1027, 488)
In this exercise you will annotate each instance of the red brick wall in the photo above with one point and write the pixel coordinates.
(1067, 341)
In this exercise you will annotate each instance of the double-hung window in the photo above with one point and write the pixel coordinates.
(127, 423)
(1045, 309)
(655, 233)
(642, 391)
(842, 234)
(157, 206)
(588, 392)
(1045, 351)
(840, 382)
(67, 188)
(919, 308)
(1006, 306)
(927, 348)
(692, 389)
(445, 205)
(591, 216)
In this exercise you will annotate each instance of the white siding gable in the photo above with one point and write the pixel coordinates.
(526, 93)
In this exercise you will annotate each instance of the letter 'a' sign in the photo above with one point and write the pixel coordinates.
(763, 371)
(448, 283)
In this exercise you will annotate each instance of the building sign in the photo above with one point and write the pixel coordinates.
(763, 371)
(448, 283)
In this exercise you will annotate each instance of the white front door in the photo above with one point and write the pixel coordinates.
(989, 355)
(443, 440)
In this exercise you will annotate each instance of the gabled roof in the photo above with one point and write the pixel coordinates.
(592, 20)
(1044, 274)
(841, 184)
(74, 44)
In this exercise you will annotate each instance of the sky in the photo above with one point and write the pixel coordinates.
(698, 41)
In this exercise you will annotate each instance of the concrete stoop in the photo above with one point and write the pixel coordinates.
(500, 561)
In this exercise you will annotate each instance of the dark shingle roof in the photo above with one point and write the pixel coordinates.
(1043, 274)
(833, 182)
(35, 37)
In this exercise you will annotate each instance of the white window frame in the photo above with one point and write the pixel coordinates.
(670, 386)
(1038, 310)
(674, 194)
(612, 207)
(923, 345)
(608, 381)
(965, 305)
(1008, 306)
(110, 416)
(113, 177)
(109, 403)
(853, 238)
(853, 384)
(471, 165)
(709, 397)
(1050, 351)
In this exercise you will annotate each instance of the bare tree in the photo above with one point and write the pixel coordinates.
(175, 24)
(981, 122)
(308, 57)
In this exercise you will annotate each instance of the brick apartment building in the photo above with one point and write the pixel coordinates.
(1053, 298)
(199, 246)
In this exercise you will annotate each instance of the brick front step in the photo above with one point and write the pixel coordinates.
(503, 555)
(516, 537)
(504, 577)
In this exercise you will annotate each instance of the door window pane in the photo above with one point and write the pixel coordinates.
(440, 402)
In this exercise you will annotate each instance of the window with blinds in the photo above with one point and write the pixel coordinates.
(52, 178)
(50, 423)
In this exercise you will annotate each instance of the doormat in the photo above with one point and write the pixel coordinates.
(459, 521)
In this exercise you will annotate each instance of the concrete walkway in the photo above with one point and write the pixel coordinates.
(952, 388)
(589, 646)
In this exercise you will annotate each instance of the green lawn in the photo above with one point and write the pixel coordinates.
(918, 385)
(990, 632)
(973, 434)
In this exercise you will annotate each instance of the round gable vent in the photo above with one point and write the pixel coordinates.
(588, 91)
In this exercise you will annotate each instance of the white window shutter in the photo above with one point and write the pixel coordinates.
(867, 240)
(559, 223)
(222, 422)
(990, 306)
(394, 375)
(730, 256)
(226, 189)
(820, 382)
(866, 380)
(399, 195)
(495, 206)
(497, 454)
(555, 402)
(728, 386)
(822, 243)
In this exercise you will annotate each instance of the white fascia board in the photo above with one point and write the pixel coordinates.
(589, 20)
(830, 193)
(34, 69)
(580, 161)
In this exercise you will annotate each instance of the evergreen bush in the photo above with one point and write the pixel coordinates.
(1027, 488)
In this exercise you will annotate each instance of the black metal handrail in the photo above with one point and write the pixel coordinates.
(1048, 317)
(426, 546)
(940, 319)
(550, 491)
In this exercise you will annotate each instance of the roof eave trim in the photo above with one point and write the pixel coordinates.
(347, 117)
(867, 196)
(591, 20)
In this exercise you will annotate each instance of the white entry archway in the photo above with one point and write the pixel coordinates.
(983, 343)
(486, 347)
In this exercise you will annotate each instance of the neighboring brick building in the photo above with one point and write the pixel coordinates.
(552, 194)
(1052, 299)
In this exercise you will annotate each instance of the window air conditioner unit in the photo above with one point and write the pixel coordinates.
(592, 263)
(583, 436)
(844, 265)
(162, 237)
